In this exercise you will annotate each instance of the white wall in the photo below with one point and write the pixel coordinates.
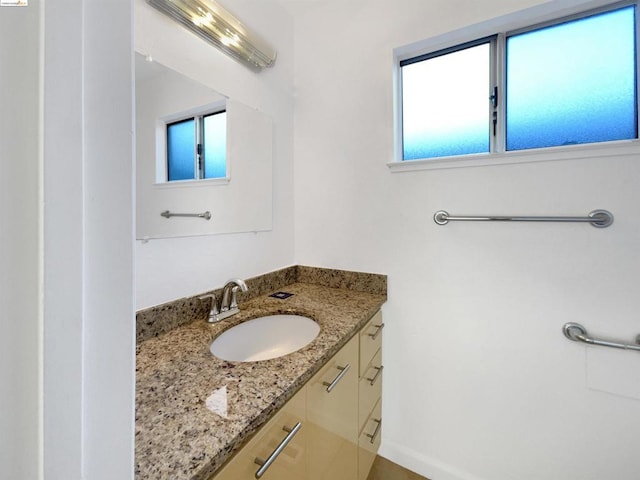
(88, 240)
(19, 241)
(66, 241)
(479, 382)
(172, 268)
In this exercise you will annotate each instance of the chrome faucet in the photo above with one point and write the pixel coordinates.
(228, 304)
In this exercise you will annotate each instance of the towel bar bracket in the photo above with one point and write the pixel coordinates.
(577, 333)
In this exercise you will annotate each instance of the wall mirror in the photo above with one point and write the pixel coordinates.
(238, 194)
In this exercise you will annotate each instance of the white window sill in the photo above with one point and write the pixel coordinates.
(572, 152)
(209, 182)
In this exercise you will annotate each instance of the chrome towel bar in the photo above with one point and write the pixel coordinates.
(597, 218)
(577, 333)
(206, 215)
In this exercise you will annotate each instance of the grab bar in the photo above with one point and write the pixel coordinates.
(206, 215)
(597, 218)
(577, 333)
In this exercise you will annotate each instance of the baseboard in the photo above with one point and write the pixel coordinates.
(421, 464)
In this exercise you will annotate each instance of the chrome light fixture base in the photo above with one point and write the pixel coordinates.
(214, 24)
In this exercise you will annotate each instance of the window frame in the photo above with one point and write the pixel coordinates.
(162, 157)
(498, 30)
(491, 41)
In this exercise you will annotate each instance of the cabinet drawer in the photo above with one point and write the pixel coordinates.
(370, 340)
(290, 463)
(369, 441)
(332, 414)
(370, 389)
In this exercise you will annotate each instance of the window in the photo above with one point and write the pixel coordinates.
(569, 82)
(196, 147)
(444, 98)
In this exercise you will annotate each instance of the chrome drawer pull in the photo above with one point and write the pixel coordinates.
(375, 377)
(375, 433)
(379, 329)
(265, 464)
(343, 371)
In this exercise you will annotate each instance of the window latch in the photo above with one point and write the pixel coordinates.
(199, 158)
(494, 104)
(494, 98)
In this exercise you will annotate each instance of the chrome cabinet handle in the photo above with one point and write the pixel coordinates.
(265, 464)
(343, 371)
(375, 433)
(377, 332)
(375, 377)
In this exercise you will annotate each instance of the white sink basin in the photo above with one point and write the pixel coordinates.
(264, 338)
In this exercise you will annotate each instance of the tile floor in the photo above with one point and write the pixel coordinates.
(383, 469)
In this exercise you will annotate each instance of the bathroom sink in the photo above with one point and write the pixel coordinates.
(264, 338)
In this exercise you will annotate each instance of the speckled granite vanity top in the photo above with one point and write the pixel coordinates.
(179, 436)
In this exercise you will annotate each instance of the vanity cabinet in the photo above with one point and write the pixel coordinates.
(339, 413)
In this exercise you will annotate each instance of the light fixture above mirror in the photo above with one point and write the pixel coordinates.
(211, 22)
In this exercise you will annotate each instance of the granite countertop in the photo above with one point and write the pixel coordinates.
(179, 435)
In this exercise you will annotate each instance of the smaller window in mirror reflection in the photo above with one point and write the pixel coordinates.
(180, 150)
(214, 145)
(196, 147)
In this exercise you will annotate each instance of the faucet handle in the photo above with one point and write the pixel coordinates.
(214, 303)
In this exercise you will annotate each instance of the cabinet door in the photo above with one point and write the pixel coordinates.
(370, 340)
(369, 441)
(290, 463)
(370, 389)
(332, 415)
